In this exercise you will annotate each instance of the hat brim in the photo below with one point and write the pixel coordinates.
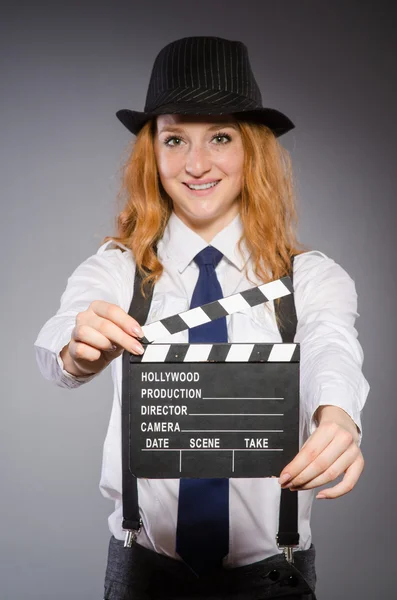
(277, 121)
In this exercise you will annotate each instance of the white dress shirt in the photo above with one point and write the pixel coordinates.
(330, 370)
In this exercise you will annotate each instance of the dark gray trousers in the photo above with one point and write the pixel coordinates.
(140, 574)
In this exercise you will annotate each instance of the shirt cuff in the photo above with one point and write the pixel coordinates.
(69, 380)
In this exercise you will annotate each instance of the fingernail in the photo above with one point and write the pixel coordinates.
(321, 496)
(136, 348)
(138, 331)
(284, 478)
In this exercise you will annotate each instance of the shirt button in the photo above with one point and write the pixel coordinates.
(292, 581)
(274, 575)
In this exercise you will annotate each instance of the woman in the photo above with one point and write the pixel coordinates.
(207, 177)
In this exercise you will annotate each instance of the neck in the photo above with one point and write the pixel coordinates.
(208, 229)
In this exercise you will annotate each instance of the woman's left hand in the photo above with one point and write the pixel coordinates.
(330, 451)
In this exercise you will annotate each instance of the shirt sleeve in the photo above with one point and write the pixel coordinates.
(99, 277)
(331, 355)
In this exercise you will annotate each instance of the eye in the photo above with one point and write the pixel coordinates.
(221, 135)
(218, 136)
(171, 138)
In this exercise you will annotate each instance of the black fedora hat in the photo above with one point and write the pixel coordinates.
(204, 76)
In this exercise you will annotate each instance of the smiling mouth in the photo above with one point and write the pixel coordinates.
(198, 187)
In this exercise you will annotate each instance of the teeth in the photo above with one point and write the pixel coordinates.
(204, 186)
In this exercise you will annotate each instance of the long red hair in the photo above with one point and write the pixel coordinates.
(268, 204)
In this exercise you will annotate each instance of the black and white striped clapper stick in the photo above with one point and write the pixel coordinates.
(214, 310)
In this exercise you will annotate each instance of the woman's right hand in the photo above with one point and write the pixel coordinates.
(102, 332)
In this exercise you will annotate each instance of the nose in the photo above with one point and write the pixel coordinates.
(198, 160)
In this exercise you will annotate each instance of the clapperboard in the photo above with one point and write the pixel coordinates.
(212, 410)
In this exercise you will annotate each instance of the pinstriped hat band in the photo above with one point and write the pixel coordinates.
(204, 76)
(192, 97)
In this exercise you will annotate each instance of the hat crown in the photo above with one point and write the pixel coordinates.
(191, 66)
(204, 75)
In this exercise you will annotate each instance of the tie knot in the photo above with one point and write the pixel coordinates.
(208, 256)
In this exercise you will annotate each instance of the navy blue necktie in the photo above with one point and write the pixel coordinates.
(202, 535)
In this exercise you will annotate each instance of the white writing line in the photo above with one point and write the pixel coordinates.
(232, 430)
(238, 398)
(212, 449)
(180, 460)
(235, 415)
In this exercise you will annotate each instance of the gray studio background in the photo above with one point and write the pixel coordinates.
(65, 69)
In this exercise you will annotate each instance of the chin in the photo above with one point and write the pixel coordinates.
(205, 216)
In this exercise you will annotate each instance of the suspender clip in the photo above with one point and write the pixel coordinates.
(288, 548)
(288, 553)
(131, 535)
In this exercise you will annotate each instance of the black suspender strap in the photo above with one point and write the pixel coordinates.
(139, 310)
(288, 535)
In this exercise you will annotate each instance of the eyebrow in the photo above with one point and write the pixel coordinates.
(178, 129)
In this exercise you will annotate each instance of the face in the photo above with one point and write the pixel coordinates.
(193, 151)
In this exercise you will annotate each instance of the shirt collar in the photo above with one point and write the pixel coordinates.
(181, 243)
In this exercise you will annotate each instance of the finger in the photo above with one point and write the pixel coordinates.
(103, 334)
(116, 334)
(348, 482)
(333, 471)
(319, 440)
(118, 316)
(81, 351)
(336, 448)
